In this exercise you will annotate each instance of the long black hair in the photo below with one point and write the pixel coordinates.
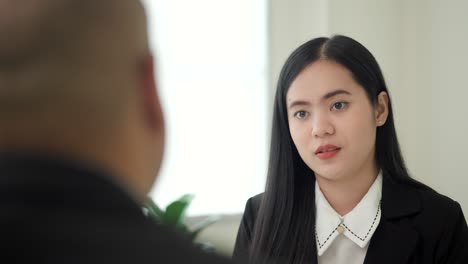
(285, 226)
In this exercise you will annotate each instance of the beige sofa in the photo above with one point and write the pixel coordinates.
(221, 234)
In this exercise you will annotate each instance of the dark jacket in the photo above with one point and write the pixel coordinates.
(418, 225)
(60, 212)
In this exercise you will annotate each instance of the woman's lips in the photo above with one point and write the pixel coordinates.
(327, 154)
(327, 151)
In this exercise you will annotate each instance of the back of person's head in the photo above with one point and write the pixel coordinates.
(76, 81)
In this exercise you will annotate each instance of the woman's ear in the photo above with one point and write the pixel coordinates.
(381, 109)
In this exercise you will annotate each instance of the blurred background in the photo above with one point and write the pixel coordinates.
(218, 62)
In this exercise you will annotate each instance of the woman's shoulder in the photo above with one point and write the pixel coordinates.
(255, 201)
(437, 211)
(246, 229)
(421, 197)
(252, 206)
(436, 203)
(442, 224)
(426, 208)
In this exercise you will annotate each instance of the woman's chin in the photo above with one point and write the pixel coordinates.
(329, 175)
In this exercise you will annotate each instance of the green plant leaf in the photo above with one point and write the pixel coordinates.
(175, 212)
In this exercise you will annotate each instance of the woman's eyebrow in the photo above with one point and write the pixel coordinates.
(335, 93)
(325, 97)
(298, 102)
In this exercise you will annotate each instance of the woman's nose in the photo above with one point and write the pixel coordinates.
(321, 126)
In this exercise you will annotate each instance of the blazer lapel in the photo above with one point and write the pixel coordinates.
(395, 239)
(391, 243)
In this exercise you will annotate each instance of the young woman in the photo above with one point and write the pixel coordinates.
(338, 190)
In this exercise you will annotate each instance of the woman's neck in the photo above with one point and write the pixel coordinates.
(344, 194)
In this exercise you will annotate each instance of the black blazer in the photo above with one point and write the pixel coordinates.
(59, 212)
(418, 225)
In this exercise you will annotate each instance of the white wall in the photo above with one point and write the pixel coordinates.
(449, 43)
(422, 49)
(291, 23)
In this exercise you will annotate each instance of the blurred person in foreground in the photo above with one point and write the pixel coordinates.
(81, 136)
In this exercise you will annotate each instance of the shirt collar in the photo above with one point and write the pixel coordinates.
(359, 224)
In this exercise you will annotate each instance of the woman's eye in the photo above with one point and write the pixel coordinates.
(300, 114)
(339, 105)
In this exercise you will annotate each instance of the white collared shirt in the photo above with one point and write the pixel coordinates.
(358, 226)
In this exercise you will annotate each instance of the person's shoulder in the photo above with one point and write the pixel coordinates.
(438, 211)
(435, 202)
(152, 242)
(442, 225)
(252, 207)
(254, 201)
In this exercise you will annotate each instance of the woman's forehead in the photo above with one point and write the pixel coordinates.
(320, 79)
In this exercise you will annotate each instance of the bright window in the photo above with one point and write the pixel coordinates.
(212, 77)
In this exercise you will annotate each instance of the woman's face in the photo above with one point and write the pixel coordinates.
(332, 122)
